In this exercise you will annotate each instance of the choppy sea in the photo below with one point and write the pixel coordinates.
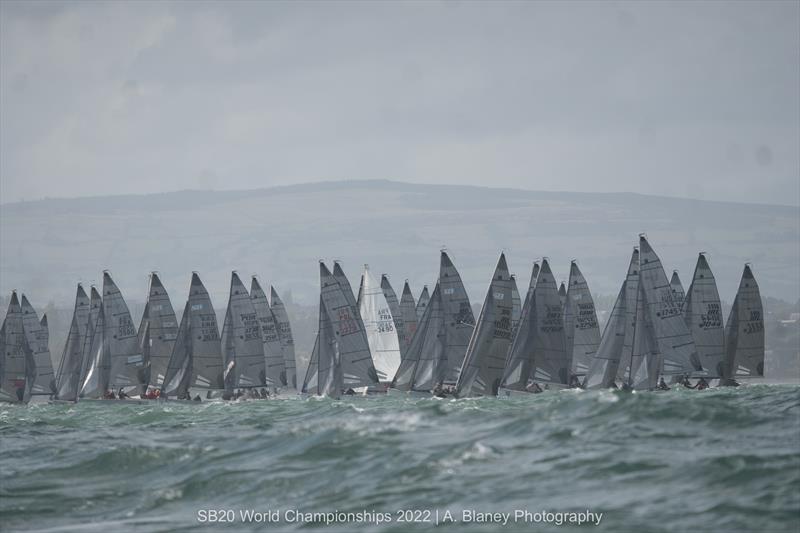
(682, 460)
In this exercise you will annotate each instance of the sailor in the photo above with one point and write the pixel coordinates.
(350, 392)
(534, 388)
(702, 384)
(574, 382)
(686, 383)
(613, 386)
(197, 398)
(121, 394)
(264, 394)
(662, 385)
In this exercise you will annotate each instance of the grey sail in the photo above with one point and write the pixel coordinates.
(397, 315)
(360, 292)
(38, 339)
(69, 369)
(459, 320)
(344, 283)
(353, 348)
(285, 335)
(96, 382)
(330, 375)
(312, 371)
(422, 302)
(273, 351)
(675, 345)
(158, 331)
(580, 322)
(645, 359)
(242, 347)
(196, 359)
(562, 294)
(539, 352)
(120, 340)
(485, 359)
(516, 310)
(408, 309)
(678, 294)
(17, 364)
(702, 312)
(419, 370)
(744, 332)
(95, 307)
(617, 339)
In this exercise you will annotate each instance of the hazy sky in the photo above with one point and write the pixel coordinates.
(686, 99)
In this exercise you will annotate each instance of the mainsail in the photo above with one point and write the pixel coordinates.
(196, 359)
(562, 294)
(273, 351)
(38, 338)
(157, 332)
(409, 312)
(422, 302)
(678, 294)
(330, 379)
(120, 340)
(459, 320)
(675, 344)
(380, 326)
(419, 370)
(702, 312)
(397, 317)
(285, 335)
(744, 332)
(353, 348)
(96, 363)
(617, 341)
(69, 369)
(17, 365)
(242, 346)
(486, 355)
(538, 352)
(516, 305)
(312, 370)
(580, 322)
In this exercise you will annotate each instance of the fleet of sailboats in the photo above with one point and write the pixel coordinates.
(551, 339)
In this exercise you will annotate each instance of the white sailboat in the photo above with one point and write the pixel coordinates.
(380, 327)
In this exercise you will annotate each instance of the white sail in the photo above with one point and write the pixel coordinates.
(120, 340)
(484, 361)
(744, 332)
(678, 294)
(98, 373)
(675, 344)
(459, 320)
(397, 316)
(273, 351)
(38, 338)
(95, 307)
(580, 322)
(17, 364)
(408, 310)
(617, 340)
(157, 331)
(196, 359)
(702, 312)
(380, 326)
(285, 335)
(353, 348)
(422, 302)
(69, 369)
(242, 346)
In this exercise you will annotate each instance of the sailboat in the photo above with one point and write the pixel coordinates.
(422, 302)
(17, 364)
(196, 360)
(408, 309)
(538, 353)
(678, 294)
(285, 335)
(273, 351)
(523, 306)
(96, 365)
(580, 322)
(485, 359)
(324, 375)
(607, 366)
(562, 294)
(158, 330)
(702, 312)
(352, 346)
(242, 345)
(744, 333)
(38, 338)
(397, 317)
(380, 326)
(71, 365)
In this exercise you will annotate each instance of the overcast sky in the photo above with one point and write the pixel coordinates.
(686, 99)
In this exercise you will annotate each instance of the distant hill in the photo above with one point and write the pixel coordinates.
(398, 228)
